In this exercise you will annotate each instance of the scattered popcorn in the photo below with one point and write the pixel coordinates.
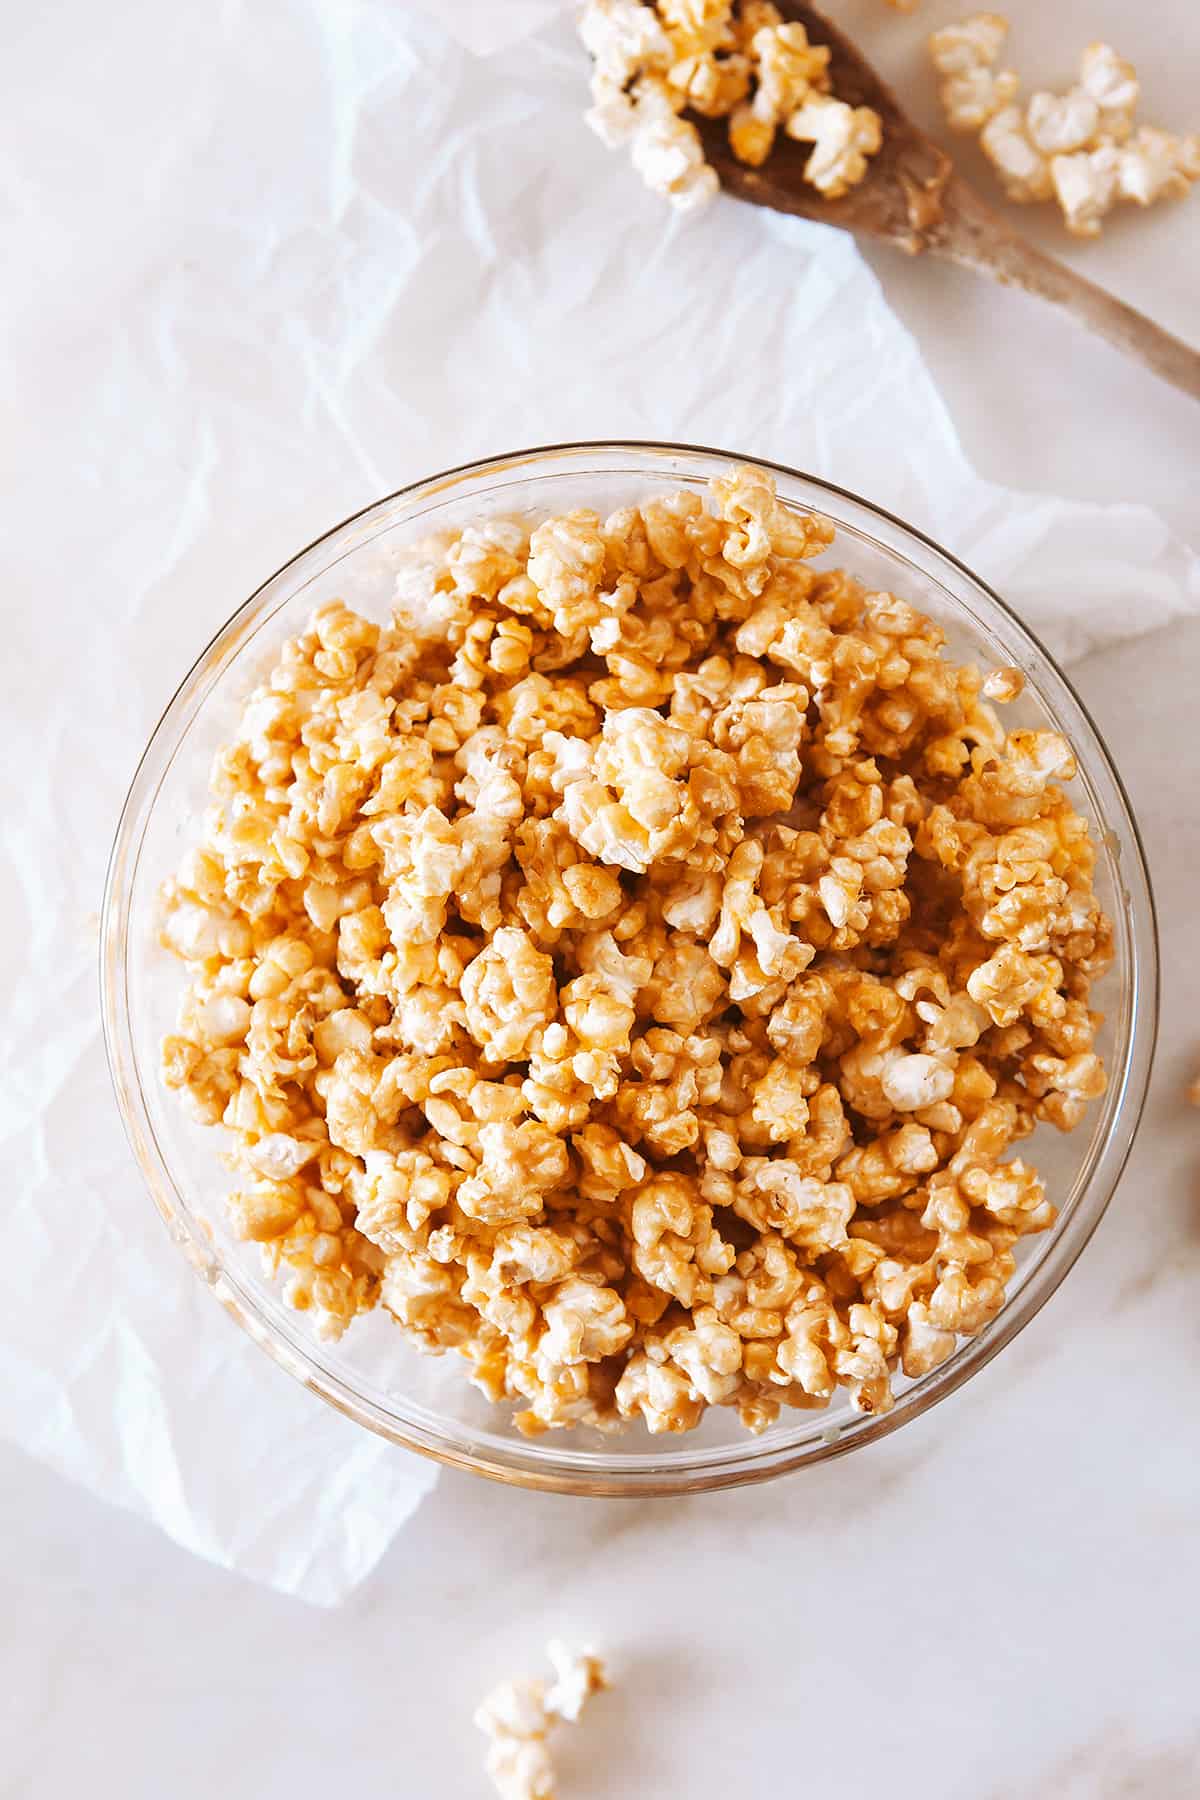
(1080, 147)
(630, 966)
(719, 59)
(971, 89)
(518, 1715)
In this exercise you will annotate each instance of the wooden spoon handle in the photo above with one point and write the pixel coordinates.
(974, 236)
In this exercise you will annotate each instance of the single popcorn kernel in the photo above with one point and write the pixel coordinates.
(655, 1032)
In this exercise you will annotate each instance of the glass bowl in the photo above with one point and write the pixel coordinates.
(372, 1374)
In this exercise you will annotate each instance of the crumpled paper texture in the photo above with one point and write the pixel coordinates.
(266, 265)
(485, 26)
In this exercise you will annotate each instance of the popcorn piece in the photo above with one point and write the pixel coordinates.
(668, 156)
(1059, 123)
(623, 38)
(584, 1323)
(697, 24)
(578, 1674)
(1024, 172)
(926, 1345)
(1003, 685)
(566, 561)
(1086, 186)
(751, 16)
(776, 1196)
(665, 150)
(521, 1769)
(514, 1716)
(1154, 165)
(519, 1165)
(529, 1017)
(515, 1709)
(1011, 982)
(971, 90)
(509, 993)
(912, 1083)
(974, 43)
(842, 136)
(710, 87)
(974, 96)
(751, 138)
(660, 1395)
(1112, 84)
(789, 70)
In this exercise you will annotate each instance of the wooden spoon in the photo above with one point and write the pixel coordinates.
(913, 198)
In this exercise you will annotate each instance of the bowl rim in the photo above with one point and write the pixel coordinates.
(627, 1477)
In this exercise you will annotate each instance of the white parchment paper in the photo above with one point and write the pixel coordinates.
(263, 265)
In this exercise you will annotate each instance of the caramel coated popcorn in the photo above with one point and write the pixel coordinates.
(1080, 148)
(720, 59)
(635, 963)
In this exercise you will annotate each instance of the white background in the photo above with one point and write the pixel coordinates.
(1001, 1601)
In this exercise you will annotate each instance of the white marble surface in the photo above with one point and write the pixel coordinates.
(999, 1602)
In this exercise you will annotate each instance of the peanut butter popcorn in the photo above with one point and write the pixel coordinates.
(647, 1012)
(718, 59)
(1079, 148)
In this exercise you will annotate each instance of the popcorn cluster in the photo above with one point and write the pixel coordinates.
(1082, 149)
(633, 962)
(519, 1715)
(654, 62)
